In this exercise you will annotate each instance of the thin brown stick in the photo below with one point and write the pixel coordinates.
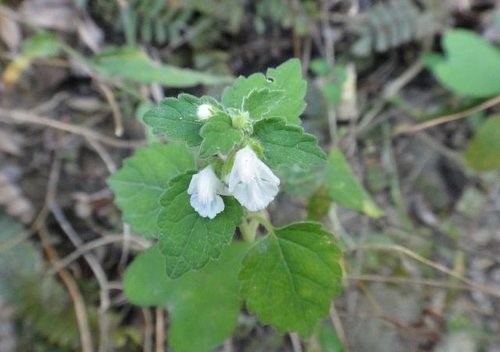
(160, 329)
(396, 248)
(81, 250)
(447, 118)
(295, 340)
(117, 115)
(74, 292)
(103, 154)
(391, 90)
(147, 345)
(66, 278)
(406, 280)
(97, 270)
(21, 116)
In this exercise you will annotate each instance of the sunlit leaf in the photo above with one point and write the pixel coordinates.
(289, 277)
(188, 240)
(287, 78)
(288, 147)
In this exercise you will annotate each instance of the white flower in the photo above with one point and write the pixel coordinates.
(204, 111)
(204, 189)
(251, 182)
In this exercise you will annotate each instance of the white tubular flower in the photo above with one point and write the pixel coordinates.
(204, 111)
(251, 182)
(204, 189)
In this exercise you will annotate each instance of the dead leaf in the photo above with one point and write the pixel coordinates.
(54, 14)
(90, 34)
(10, 33)
(347, 109)
(14, 70)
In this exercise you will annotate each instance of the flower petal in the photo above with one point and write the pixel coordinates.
(251, 182)
(204, 189)
(207, 209)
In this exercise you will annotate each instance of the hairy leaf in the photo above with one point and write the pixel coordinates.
(219, 136)
(188, 240)
(261, 103)
(143, 178)
(204, 305)
(289, 277)
(176, 118)
(286, 146)
(287, 78)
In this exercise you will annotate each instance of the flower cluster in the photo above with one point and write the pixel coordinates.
(250, 181)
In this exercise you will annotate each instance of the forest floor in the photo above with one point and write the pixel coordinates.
(423, 277)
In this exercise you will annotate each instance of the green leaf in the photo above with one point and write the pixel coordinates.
(290, 277)
(39, 299)
(287, 78)
(132, 63)
(219, 136)
(176, 118)
(288, 147)
(345, 189)
(41, 44)
(28, 266)
(483, 151)
(329, 340)
(188, 240)
(261, 103)
(143, 178)
(319, 204)
(204, 306)
(472, 65)
(320, 67)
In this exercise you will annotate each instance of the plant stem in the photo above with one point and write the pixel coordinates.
(262, 220)
(250, 224)
(247, 234)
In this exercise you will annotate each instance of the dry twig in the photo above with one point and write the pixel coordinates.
(67, 279)
(160, 329)
(447, 118)
(20, 116)
(98, 273)
(397, 248)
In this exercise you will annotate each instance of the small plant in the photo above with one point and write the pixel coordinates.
(225, 163)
